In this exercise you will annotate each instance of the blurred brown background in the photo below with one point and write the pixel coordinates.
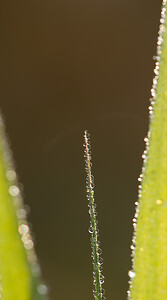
(67, 66)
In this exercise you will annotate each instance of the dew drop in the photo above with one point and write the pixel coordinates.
(160, 40)
(91, 229)
(99, 251)
(21, 213)
(23, 229)
(101, 281)
(132, 247)
(156, 71)
(136, 215)
(152, 102)
(28, 244)
(11, 175)
(100, 260)
(42, 289)
(131, 274)
(153, 92)
(156, 57)
(155, 80)
(128, 294)
(35, 267)
(133, 241)
(150, 107)
(162, 28)
(14, 190)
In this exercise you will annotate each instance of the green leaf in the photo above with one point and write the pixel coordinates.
(19, 269)
(149, 274)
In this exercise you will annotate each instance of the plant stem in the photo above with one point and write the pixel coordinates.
(98, 278)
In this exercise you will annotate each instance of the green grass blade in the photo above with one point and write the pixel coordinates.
(98, 278)
(19, 270)
(149, 274)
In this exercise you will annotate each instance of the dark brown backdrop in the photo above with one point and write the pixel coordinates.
(67, 66)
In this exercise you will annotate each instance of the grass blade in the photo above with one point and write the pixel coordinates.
(98, 278)
(149, 274)
(19, 269)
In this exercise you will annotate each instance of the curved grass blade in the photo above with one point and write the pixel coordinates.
(19, 269)
(98, 278)
(148, 279)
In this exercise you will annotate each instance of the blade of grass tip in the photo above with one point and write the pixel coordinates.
(98, 278)
(148, 279)
(19, 269)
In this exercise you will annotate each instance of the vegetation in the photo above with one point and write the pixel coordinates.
(149, 274)
(19, 269)
(98, 278)
(148, 278)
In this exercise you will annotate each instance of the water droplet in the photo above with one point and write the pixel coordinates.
(92, 185)
(156, 71)
(100, 260)
(153, 92)
(14, 190)
(160, 40)
(152, 102)
(11, 175)
(99, 251)
(132, 247)
(23, 229)
(21, 213)
(136, 215)
(150, 107)
(28, 244)
(131, 274)
(35, 267)
(91, 229)
(133, 240)
(156, 57)
(101, 279)
(155, 80)
(162, 20)
(128, 294)
(42, 289)
(159, 53)
(162, 29)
